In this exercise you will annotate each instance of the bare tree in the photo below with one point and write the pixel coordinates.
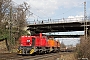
(4, 9)
(14, 17)
(19, 18)
(63, 45)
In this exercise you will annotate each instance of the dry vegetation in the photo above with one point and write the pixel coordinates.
(69, 56)
(83, 49)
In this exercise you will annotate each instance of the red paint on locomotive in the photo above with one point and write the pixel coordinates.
(25, 40)
(40, 41)
(37, 43)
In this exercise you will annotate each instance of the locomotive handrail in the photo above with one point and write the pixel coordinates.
(51, 21)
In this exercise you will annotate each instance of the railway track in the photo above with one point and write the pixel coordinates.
(51, 56)
(46, 56)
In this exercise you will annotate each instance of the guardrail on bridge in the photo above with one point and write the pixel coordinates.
(51, 21)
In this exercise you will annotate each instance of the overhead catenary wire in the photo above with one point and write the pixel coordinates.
(68, 10)
(41, 11)
(45, 14)
(31, 12)
(37, 15)
(61, 13)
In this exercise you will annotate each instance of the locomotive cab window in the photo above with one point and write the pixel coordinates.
(28, 41)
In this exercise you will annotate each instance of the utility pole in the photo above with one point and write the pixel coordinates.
(10, 30)
(85, 21)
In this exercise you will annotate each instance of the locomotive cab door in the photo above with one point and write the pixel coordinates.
(33, 41)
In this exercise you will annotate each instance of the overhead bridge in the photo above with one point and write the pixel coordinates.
(75, 34)
(57, 25)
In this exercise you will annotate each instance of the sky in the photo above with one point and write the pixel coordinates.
(56, 9)
(69, 41)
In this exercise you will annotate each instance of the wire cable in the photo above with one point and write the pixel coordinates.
(41, 11)
(68, 10)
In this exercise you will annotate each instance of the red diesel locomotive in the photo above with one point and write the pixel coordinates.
(37, 44)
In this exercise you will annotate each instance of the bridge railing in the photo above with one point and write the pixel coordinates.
(52, 21)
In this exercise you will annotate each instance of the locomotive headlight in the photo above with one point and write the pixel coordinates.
(28, 41)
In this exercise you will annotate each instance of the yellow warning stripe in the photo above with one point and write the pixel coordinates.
(19, 51)
(32, 51)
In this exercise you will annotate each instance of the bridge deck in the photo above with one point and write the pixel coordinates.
(58, 26)
(53, 21)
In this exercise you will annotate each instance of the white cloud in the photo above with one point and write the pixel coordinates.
(77, 16)
(43, 7)
(46, 8)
